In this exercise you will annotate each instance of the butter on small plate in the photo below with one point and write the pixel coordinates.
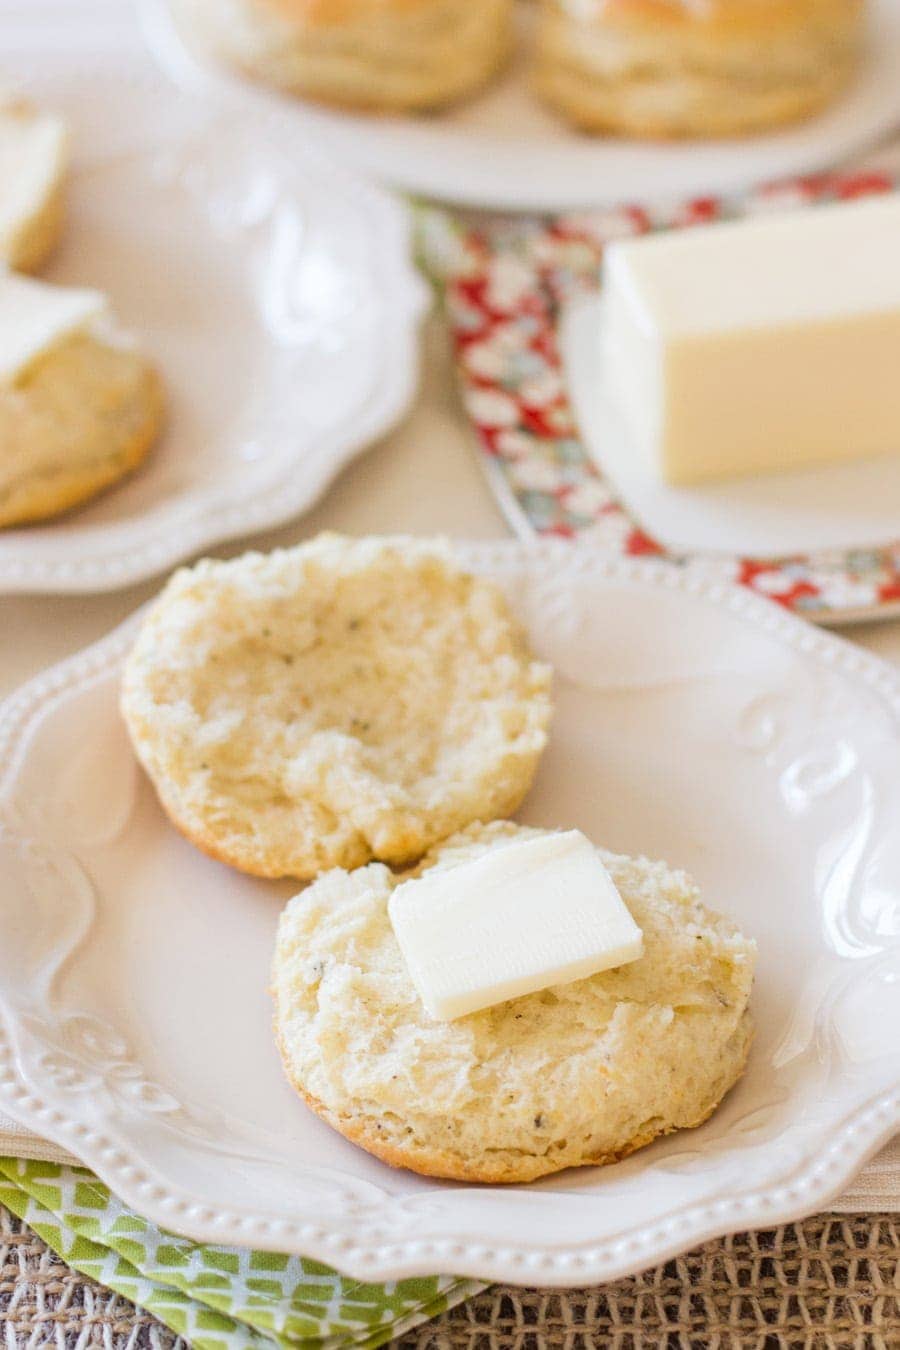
(736, 382)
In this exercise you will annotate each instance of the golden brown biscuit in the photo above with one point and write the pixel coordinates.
(81, 416)
(580, 1074)
(665, 68)
(389, 55)
(33, 155)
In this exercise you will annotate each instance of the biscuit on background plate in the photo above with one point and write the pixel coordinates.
(334, 703)
(662, 68)
(387, 55)
(79, 406)
(576, 1075)
(33, 160)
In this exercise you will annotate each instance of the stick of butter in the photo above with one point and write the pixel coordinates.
(35, 316)
(761, 344)
(527, 914)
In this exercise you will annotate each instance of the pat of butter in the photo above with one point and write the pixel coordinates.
(32, 157)
(762, 344)
(528, 914)
(34, 317)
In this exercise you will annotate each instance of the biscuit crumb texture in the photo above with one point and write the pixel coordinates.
(81, 417)
(579, 1074)
(325, 705)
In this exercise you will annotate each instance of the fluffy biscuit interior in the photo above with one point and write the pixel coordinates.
(337, 702)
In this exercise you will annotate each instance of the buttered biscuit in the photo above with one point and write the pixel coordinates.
(79, 407)
(718, 68)
(33, 154)
(579, 1074)
(391, 55)
(325, 705)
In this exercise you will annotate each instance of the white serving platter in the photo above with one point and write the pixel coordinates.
(695, 722)
(274, 290)
(503, 150)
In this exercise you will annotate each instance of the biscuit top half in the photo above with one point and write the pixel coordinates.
(718, 17)
(328, 13)
(339, 701)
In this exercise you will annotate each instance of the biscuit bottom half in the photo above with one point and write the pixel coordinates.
(579, 1074)
(84, 415)
(696, 78)
(391, 58)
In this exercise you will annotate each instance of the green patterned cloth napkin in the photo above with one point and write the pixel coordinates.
(218, 1298)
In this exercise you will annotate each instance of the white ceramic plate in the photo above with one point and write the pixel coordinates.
(273, 289)
(504, 150)
(695, 722)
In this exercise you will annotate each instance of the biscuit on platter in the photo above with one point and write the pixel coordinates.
(79, 406)
(388, 55)
(576, 1075)
(325, 705)
(668, 68)
(33, 153)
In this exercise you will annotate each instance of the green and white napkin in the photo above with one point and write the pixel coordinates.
(218, 1298)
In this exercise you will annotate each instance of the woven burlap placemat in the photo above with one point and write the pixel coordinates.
(833, 1281)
